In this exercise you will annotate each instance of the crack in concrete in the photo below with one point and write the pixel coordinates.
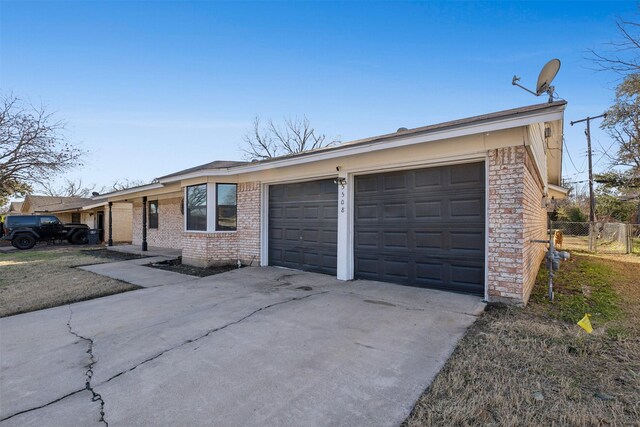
(209, 332)
(95, 396)
(43, 406)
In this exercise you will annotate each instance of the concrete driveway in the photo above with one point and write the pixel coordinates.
(256, 346)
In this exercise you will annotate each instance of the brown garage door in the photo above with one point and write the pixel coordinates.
(303, 225)
(422, 227)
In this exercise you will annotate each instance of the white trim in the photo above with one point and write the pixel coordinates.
(211, 207)
(559, 189)
(350, 235)
(95, 205)
(301, 178)
(342, 239)
(486, 227)
(264, 225)
(184, 209)
(394, 142)
(126, 191)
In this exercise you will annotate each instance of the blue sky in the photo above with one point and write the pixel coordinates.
(149, 88)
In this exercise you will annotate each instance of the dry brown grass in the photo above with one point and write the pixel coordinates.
(511, 356)
(33, 280)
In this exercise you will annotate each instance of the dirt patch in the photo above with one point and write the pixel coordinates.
(112, 255)
(178, 267)
(532, 366)
(33, 280)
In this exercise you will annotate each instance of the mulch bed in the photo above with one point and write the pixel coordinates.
(116, 256)
(178, 267)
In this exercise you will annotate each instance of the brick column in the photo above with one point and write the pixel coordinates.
(515, 216)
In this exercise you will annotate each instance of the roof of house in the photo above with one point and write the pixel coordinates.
(218, 164)
(51, 203)
(505, 114)
(527, 112)
(73, 205)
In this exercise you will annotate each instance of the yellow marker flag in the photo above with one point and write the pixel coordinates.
(585, 323)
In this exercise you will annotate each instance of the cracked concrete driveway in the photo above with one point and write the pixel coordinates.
(255, 346)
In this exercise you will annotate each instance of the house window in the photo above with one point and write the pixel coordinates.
(153, 214)
(75, 217)
(197, 207)
(226, 207)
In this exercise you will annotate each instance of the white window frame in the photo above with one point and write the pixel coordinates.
(186, 210)
(212, 204)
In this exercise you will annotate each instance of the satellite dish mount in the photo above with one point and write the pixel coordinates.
(547, 74)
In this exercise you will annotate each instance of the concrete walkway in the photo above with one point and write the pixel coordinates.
(256, 346)
(136, 272)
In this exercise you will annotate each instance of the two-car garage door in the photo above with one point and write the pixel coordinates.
(422, 227)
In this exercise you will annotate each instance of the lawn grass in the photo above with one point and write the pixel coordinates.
(33, 280)
(584, 285)
(535, 366)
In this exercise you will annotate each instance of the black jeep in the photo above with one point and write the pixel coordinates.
(25, 230)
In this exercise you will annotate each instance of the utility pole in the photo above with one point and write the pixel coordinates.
(592, 200)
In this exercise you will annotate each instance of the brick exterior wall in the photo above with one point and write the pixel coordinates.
(170, 224)
(516, 216)
(249, 194)
(217, 248)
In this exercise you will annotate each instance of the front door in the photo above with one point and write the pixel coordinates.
(101, 225)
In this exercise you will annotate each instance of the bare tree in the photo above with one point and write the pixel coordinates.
(293, 136)
(32, 144)
(622, 122)
(621, 56)
(122, 184)
(68, 189)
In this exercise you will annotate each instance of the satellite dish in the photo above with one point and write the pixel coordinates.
(547, 75)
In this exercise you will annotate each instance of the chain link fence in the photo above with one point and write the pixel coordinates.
(601, 237)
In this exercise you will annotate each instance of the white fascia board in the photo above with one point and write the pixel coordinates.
(561, 191)
(95, 205)
(131, 190)
(471, 129)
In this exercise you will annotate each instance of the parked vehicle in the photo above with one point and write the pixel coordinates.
(24, 231)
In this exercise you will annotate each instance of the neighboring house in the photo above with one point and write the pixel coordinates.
(14, 208)
(93, 212)
(451, 206)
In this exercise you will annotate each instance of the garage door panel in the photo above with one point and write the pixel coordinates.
(428, 178)
(466, 275)
(429, 272)
(472, 207)
(305, 238)
(367, 267)
(394, 181)
(466, 174)
(394, 210)
(395, 239)
(422, 227)
(472, 241)
(429, 240)
(428, 209)
(330, 236)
